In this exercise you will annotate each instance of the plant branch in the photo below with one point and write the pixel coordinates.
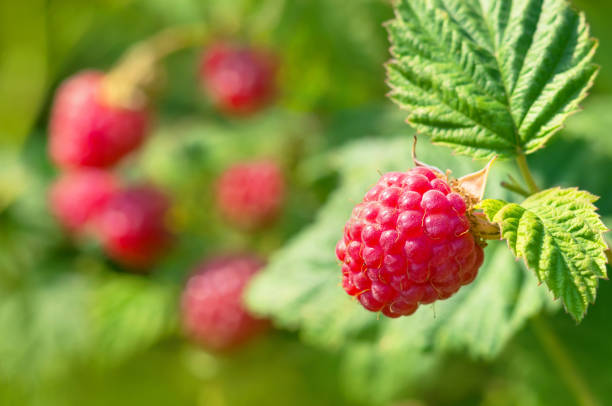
(567, 368)
(136, 76)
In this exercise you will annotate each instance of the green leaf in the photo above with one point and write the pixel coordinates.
(128, 314)
(300, 289)
(560, 236)
(489, 77)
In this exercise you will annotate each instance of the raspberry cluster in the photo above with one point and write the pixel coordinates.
(213, 312)
(251, 194)
(408, 243)
(88, 135)
(240, 80)
(86, 131)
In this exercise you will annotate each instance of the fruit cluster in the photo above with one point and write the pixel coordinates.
(408, 243)
(90, 133)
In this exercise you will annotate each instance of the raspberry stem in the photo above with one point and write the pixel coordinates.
(559, 356)
(135, 76)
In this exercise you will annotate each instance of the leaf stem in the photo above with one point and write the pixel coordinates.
(565, 365)
(521, 161)
(515, 188)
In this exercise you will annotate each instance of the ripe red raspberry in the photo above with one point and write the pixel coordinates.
(408, 243)
(250, 194)
(77, 197)
(213, 312)
(132, 226)
(240, 80)
(85, 131)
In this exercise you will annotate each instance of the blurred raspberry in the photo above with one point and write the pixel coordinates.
(77, 197)
(213, 312)
(87, 132)
(251, 194)
(408, 243)
(132, 226)
(240, 80)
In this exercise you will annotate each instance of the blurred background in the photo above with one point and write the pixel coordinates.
(79, 327)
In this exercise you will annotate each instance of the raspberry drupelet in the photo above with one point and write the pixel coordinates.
(408, 243)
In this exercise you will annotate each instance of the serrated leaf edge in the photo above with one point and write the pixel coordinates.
(496, 206)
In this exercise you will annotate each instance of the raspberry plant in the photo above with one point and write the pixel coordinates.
(504, 94)
(488, 79)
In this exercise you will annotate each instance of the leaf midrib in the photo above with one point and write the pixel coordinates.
(506, 106)
(494, 53)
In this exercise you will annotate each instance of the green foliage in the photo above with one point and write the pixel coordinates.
(300, 289)
(560, 236)
(128, 315)
(74, 324)
(23, 68)
(493, 78)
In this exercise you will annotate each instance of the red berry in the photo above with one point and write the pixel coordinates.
(85, 131)
(132, 226)
(251, 194)
(213, 312)
(416, 249)
(240, 80)
(77, 197)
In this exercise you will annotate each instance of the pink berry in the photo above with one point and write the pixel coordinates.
(132, 226)
(251, 194)
(77, 197)
(213, 312)
(417, 248)
(240, 80)
(86, 131)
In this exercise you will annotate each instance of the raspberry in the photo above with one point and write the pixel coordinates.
(77, 197)
(213, 312)
(240, 80)
(132, 226)
(87, 132)
(408, 243)
(250, 194)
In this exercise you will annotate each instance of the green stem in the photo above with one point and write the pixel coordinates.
(137, 75)
(521, 161)
(173, 39)
(566, 367)
(515, 188)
